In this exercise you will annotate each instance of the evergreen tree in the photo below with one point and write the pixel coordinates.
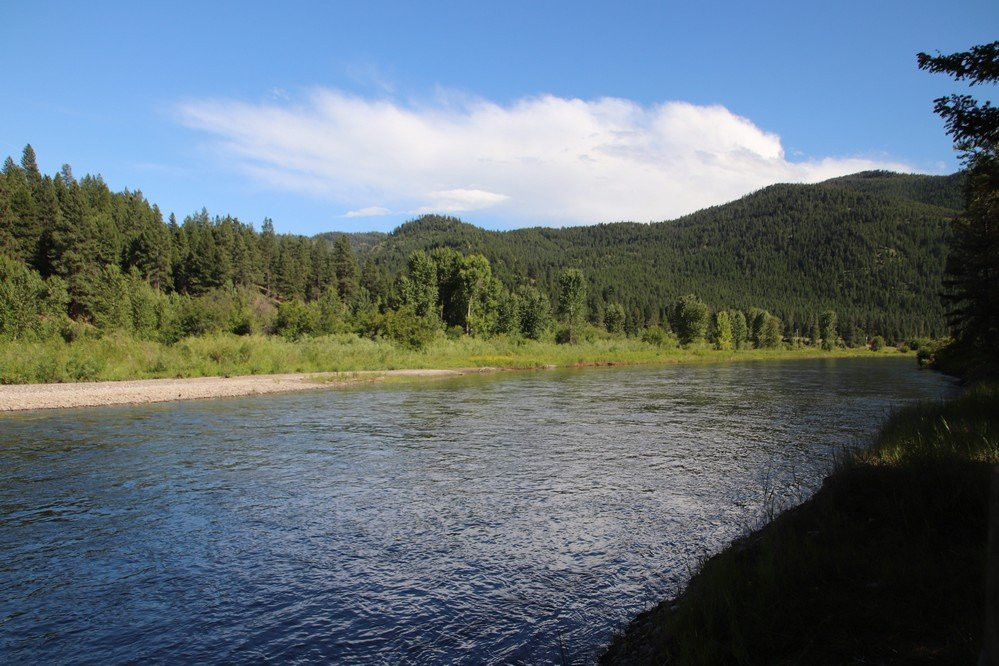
(757, 319)
(827, 327)
(345, 269)
(6, 219)
(814, 331)
(771, 332)
(374, 283)
(740, 331)
(49, 218)
(972, 278)
(245, 259)
(205, 266)
(179, 249)
(30, 166)
(268, 247)
(77, 253)
(23, 230)
(151, 251)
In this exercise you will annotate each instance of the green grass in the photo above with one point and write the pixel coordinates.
(121, 357)
(885, 564)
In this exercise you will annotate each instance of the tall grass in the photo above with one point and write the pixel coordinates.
(964, 428)
(122, 357)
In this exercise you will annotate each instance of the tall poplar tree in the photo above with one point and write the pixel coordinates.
(571, 301)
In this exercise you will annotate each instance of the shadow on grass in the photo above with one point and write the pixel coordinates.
(885, 564)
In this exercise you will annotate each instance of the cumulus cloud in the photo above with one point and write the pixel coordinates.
(541, 159)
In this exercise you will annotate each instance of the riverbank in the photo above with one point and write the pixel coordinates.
(885, 564)
(22, 397)
(111, 371)
(123, 358)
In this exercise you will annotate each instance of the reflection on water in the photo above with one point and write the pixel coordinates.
(481, 519)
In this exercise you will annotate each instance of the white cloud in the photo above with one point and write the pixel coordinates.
(370, 211)
(461, 200)
(540, 159)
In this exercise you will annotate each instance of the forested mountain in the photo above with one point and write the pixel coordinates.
(943, 191)
(870, 246)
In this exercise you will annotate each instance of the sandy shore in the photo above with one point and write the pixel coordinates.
(94, 394)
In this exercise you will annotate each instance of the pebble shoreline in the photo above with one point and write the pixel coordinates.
(21, 397)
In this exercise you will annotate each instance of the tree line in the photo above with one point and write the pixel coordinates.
(872, 247)
(78, 259)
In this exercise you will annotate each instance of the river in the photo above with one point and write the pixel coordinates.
(513, 518)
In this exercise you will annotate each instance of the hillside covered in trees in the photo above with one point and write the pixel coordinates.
(77, 258)
(870, 246)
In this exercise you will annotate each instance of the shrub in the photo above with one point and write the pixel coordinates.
(30, 307)
(107, 302)
(216, 311)
(408, 329)
(295, 320)
(659, 337)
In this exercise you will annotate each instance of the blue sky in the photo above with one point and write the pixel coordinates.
(360, 115)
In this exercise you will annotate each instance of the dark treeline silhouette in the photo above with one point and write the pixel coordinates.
(971, 283)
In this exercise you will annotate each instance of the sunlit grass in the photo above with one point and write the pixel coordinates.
(965, 428)
(122, 357)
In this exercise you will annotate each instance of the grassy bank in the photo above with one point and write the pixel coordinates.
(885, 564)
(116, 358)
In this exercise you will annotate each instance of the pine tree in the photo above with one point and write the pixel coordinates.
(76, 251)
(151, 253)
(374, 283)
(827, 327)
(268, 247)
(972, 278)
(7, 247)
(23, 230)
(49, 217)
(30, 166)
(346, 269)
(740, 331)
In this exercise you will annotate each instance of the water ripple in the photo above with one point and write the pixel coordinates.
(477, 520)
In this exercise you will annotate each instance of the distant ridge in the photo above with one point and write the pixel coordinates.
(869, 245)
(943, 191)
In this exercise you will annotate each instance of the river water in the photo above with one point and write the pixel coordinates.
(513, 518)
